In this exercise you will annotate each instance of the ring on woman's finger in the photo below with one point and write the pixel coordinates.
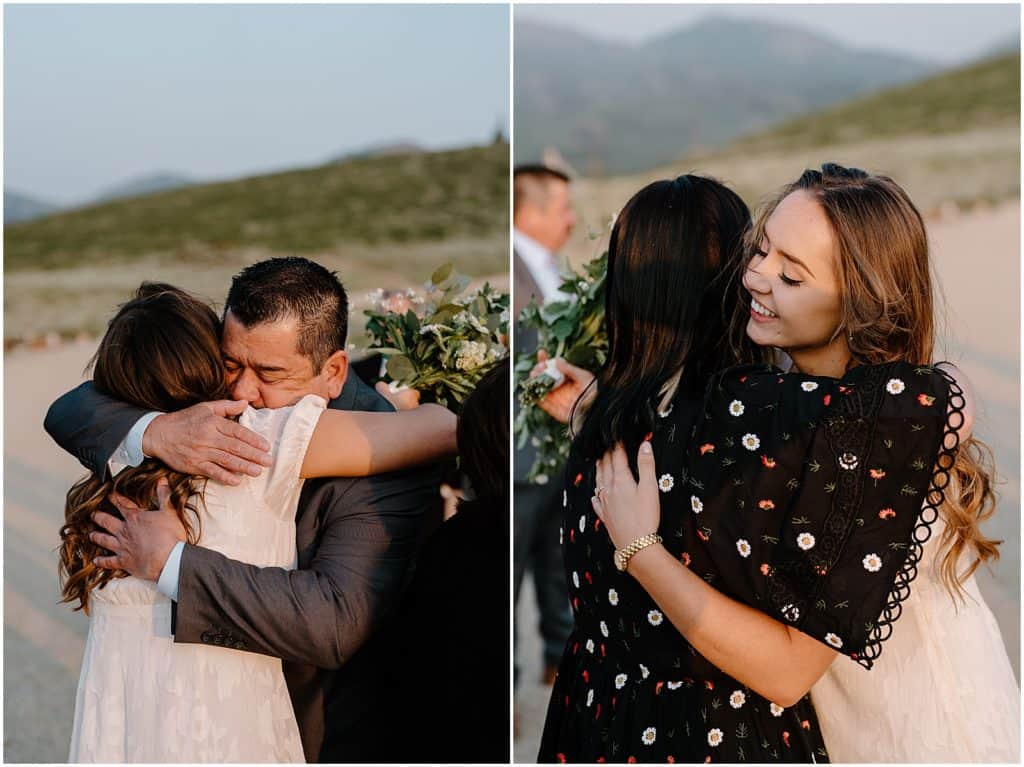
(598, 491)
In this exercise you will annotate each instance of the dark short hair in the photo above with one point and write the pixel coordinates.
(483, 434)
(293, 288)
(531, 183)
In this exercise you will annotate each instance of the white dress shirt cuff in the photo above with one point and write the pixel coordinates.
(168, 583)
(129, 452)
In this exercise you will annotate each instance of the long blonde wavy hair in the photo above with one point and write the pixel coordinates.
(888, 314)
(161, 351)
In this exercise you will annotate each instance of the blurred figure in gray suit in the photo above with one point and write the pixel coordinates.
(543, 219)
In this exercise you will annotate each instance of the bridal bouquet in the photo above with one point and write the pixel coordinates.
(574, 330)
(448, 343)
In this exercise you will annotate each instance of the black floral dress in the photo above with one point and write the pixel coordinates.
(797, 495)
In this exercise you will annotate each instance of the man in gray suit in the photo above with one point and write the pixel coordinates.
(355, 537)
(543, 219)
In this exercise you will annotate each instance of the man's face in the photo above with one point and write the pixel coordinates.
(552, 223)
(264, 367)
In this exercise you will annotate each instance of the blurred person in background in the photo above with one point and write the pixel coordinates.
(543, 220)
(451, 689)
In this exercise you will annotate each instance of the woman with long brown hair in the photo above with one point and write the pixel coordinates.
(823, 489)
(142, 698)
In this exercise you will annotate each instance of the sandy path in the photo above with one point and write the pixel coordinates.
(978, 260)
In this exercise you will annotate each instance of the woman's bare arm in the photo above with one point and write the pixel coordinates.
(771, 658)
(357, 444)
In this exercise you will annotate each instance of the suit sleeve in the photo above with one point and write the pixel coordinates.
(319, 615)
(90, 425)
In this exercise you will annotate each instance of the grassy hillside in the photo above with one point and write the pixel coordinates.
(421, 197)
(984, 95)
(949, 139)
(380, 222)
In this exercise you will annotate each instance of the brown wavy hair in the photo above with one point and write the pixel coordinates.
(161, 351)
(888, 315)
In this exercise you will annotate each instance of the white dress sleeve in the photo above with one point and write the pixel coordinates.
(288, 430)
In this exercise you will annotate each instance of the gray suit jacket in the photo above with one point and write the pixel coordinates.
(525, 340)
(356, 538)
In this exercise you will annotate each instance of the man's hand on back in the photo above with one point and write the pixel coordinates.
(201, 440)
(141, 543)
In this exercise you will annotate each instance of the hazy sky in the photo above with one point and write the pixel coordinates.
(948, 33)
(94, 95)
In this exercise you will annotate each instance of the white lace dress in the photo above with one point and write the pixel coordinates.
(942, 689)
(142, 698)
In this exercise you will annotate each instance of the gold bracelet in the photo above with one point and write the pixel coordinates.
(623, 555)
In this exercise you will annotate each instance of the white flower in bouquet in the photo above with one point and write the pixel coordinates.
(471, 355)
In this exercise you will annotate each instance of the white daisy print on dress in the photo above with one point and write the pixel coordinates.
(743, 547)
(613, 597)
(666, 483)
(737, 699)
(575, 579)
(872, 563)
(696, 504)
(736, 408)
(833, 640)
(620, 681)
(565, 499)
(895, 386)
(561, 535)
(673, 685)
(809, 385)
(590, 645)
(604, 629)
(776, 709)
(715, 738)
(792, 612)
(583, 523)
(644, 671)
(751, 442)
(805, 541)
(649, 736)
(590, 697)
(654, 617)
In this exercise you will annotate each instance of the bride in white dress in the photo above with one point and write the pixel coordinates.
(141, 697)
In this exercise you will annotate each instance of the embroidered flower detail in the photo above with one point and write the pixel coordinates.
(590, 698)
(805, 541)
(776, 709)
(604, 629)
(696, 504)
(715, 737)
(737, 699)
(751, 442)
(590, 645)
(876, 474)
(736, 408)
(743, 547)
(666, 412)
(707, 448)
(644, 671)
(769, 463)
(886, 514)
(666, 483)
(833, 640)
(791, 612)
(649, 736)
(925, 400)
(872, 563)
(674, 685)
(583, 523)
(809, 385)
(848, 461)
(766, 504)
(895, 386)
(575, 579)
(654, 617)
(620, 681)
(613, 597)
(685, 559)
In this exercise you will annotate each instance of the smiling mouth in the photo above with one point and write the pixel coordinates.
(761, 310)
